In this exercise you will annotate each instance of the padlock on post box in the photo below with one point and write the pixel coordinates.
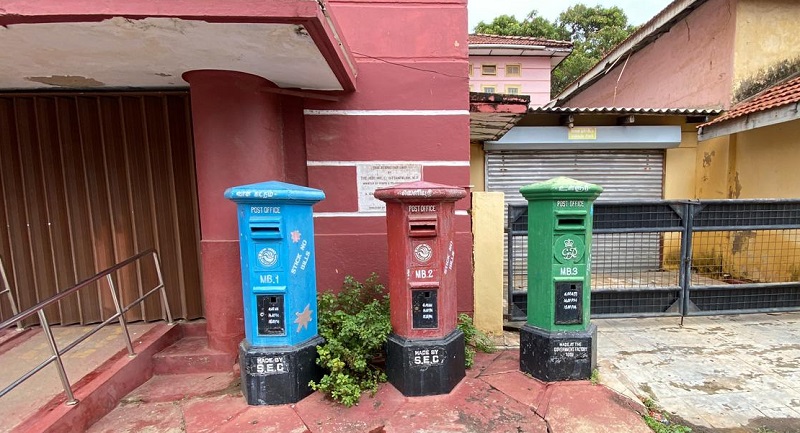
(558, 342)
(425, 352)
(277, 358)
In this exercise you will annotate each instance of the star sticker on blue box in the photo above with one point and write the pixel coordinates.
(303, 318)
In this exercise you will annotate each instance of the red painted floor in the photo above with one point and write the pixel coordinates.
(494, 397)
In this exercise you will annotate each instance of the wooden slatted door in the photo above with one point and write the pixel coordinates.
(88, 180)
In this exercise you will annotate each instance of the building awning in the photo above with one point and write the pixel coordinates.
(135, 44)
(588, 137)
(491, 115)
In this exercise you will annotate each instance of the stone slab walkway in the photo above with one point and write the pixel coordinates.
(494, 397)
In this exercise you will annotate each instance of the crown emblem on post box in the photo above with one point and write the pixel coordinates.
(569, 252)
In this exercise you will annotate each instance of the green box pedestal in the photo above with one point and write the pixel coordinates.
(559, 355)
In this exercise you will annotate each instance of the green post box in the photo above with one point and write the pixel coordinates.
(558, 342)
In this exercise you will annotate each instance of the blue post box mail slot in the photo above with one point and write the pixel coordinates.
(265, 228)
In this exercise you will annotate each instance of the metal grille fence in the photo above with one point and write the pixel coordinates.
(680, 258)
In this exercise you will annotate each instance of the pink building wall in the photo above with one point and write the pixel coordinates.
(411, 106)
(534, 79)
(691, 66)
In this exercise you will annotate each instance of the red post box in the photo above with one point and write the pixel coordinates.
(425, 352)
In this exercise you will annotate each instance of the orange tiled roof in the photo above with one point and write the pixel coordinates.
(480, 39)
(787, 92)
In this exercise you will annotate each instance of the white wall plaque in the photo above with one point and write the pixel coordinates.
(373, 176)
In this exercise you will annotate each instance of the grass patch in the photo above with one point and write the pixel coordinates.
(658, 421)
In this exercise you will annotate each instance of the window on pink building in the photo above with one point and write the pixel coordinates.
(491, 88)
(513, 70)
(513, 89)
(488, 69)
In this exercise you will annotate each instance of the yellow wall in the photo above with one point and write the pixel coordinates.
(680, 180)
(768, 162)
(767, 166)
(476, 167)
(487, 231)
(712, 168)
(679, 172)
(760, 163)
(766, 34)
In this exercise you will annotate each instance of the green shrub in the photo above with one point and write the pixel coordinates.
(355, 324)
(474, 339)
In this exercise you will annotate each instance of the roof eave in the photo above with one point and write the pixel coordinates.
(493, 115)
(521, 50)
(747, 122)
(627, 110)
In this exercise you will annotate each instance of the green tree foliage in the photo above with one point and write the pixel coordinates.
(594, 31)
(532, 25)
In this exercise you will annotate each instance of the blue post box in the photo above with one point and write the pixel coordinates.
(276, 237)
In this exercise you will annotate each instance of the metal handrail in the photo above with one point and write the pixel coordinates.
(6, 289)
(119, 316)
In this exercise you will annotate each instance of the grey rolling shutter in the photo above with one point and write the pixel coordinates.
(624, 175)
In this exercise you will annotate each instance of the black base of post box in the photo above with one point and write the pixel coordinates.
(560, 355)
(419, 367)
(278, 375)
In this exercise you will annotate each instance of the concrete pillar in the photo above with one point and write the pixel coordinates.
(238, 138)
(487, 231)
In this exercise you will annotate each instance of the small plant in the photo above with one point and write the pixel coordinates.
(658, 421)
(355, 324)
(595, 379)
(474, 339)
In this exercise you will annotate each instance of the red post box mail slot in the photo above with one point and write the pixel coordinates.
(422, 226)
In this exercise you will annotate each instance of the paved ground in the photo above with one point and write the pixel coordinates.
(494, 397)
(40, 388)
(721, 373)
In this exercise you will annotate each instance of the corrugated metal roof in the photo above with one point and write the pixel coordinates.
(483, 39)
(785, 93)
(627, 110)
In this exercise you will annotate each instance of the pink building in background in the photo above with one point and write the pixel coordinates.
(515, 65)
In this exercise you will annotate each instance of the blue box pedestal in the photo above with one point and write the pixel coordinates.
(419, 367)
(278, 375)
(558, 355)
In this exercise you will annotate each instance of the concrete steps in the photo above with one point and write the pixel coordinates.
(192, 355)
(161, 354)
(101, 389)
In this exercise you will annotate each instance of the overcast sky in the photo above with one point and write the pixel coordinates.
(638, 11)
